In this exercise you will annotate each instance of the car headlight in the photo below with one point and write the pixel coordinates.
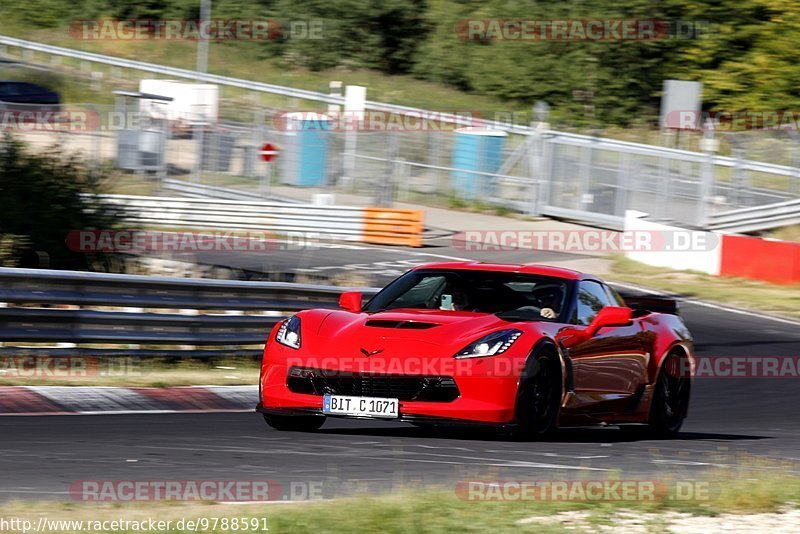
(289, 332)
(495, 343)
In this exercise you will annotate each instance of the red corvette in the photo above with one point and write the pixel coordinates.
(524, 348)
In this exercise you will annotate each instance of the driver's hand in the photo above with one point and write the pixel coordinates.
(548, 313)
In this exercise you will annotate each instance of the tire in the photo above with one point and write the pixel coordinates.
(670, 398)
(295, 423)
(539, 399)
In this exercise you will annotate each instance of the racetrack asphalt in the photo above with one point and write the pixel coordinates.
(730, 419)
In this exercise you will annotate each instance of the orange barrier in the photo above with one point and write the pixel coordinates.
(389, 226)
(760, 259)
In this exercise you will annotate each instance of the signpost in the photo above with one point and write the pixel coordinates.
(268, 153)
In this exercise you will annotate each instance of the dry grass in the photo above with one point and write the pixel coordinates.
(135, 373)
(733, 492)
(771, 298)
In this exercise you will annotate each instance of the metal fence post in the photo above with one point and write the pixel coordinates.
(538, 165)
(585, 181)
(624, 183)
(535, 172)
(663, 187)
(385, 190)
(546, 175)
(710, 146)
(737, 178)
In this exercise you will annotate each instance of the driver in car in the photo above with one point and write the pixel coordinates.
(548, 299)
(455, 300)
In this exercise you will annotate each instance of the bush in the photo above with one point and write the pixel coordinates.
(43, 197)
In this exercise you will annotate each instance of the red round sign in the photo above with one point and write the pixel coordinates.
(269, 152)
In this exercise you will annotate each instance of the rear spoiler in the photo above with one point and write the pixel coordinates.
(652, 304)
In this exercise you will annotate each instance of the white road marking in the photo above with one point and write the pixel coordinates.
(521, 465)
(549, 454)
(465, 449)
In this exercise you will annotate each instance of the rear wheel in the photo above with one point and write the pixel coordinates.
(670, 397)
(540, 397)
(296, 423)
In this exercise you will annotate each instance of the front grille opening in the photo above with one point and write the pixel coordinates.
(403, 387)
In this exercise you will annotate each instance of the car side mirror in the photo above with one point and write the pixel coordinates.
(350, 301)
(608, 316)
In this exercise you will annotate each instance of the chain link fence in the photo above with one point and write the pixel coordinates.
(543, 172)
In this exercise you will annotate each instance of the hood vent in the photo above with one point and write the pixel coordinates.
(408, 325)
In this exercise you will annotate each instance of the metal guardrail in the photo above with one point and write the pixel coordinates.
(195, 190)
(757, 218)
(27, 291)
(341, 222)
(168, 71)
(347, 223)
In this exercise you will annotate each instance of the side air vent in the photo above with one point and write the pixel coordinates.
(409, 325)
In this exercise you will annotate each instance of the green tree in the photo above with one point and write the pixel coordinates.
(378, 34)
(42, 198)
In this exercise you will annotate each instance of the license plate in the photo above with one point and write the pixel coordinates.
(360, 406)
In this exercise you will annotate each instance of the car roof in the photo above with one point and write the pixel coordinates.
(527, 268)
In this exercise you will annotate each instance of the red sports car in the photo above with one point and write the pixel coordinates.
(524, 348)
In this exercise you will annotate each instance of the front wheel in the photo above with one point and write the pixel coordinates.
(670, 398)
(539, 400)
(295, 423)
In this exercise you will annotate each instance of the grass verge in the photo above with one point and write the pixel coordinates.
(127, 372)
(441, 510)
(787, 233)
(760, 296)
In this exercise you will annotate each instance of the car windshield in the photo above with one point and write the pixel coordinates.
(513, 296)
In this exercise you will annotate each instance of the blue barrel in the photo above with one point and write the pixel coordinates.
(476, 150)
(306, 149)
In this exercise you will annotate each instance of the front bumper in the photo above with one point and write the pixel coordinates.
(484, 397)
(404, 418)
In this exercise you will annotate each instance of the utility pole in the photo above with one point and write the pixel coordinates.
(201, 67)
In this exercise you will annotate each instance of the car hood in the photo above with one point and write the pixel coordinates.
(401, 333)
